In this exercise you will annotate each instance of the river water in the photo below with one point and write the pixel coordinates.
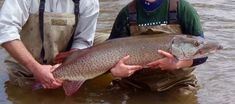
(216, 76)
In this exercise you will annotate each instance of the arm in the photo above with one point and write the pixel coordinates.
(120, 27)
(190, 24)
(12, 17)
(169, 62)
(41, 72)
(121, 70)
(85, 30)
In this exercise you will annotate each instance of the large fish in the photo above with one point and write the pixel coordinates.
(94, 61)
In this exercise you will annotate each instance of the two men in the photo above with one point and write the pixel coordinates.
(44, 35)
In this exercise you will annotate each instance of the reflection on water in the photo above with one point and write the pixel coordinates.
(216, 77)
(93, 95)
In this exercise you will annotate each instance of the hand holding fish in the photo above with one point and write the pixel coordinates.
(43, 73)
(169, 62)
(122, 70)
(94, 61)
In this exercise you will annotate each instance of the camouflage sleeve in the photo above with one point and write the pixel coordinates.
(120, 27)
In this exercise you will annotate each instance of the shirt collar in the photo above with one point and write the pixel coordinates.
(151, 6)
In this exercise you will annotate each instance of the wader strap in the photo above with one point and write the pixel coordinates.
(76, 13)
(132, 13)
(172, 14)
(41, 28)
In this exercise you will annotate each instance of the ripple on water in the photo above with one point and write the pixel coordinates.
(216, 76)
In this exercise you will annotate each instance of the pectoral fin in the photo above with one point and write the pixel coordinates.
(70, 87)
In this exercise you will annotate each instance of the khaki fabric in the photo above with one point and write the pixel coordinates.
(58, 28)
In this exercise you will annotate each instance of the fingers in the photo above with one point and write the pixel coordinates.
(154, 63)
(52, 84)
(54, 67)
(134, 67)
(131, 72)
(122, 70)
(124, 59)
(47, 84)
(166, 54)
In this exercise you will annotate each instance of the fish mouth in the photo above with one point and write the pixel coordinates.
(208, 48)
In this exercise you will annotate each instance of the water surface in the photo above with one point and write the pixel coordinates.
(216, 76)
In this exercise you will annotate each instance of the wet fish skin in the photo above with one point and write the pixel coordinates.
(94, 61)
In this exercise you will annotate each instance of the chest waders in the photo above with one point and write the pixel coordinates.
(45, 34)
(156, 79)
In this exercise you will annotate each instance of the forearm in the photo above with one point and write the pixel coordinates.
(120, 27)
(191, 63)
(18, 51)
(184, 64)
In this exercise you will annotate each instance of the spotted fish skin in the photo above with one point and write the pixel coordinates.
(94, 61)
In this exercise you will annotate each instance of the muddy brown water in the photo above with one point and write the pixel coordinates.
(216, 76)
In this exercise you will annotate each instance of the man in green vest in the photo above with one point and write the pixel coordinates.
(144, 17)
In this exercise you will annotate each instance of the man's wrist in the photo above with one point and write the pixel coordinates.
(112, 72)
(184, 64)
(32, 66)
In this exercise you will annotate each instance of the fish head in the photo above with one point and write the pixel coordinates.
(190, 47)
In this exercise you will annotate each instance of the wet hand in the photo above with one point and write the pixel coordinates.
(121, 70)
(169, 62)
(43, 73)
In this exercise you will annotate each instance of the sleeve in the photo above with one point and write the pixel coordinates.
(13, 15)
(120, 27)
(199, 61)
(85, 30)
(190, 24)
(189, 19)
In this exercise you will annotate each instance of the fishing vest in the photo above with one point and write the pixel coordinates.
(157, 79)
(169, 26)
(46, 34)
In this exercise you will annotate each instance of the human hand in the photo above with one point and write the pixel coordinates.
(63, 55)
(121, 70)
(169, 62)
(43, 73)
